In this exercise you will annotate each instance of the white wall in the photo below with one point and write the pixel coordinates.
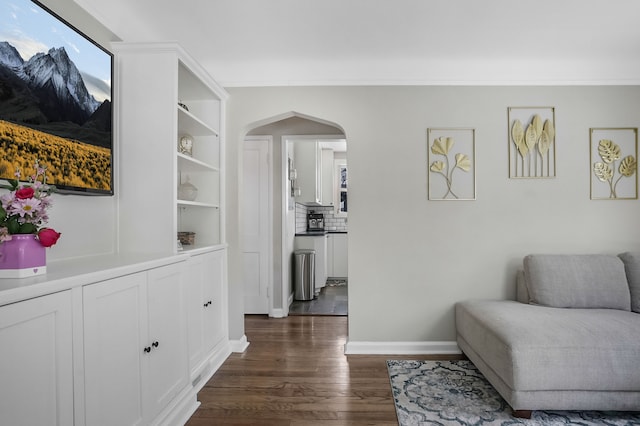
(404, 279)
(87, 223)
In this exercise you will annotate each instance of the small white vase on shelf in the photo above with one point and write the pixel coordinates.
(187, 191)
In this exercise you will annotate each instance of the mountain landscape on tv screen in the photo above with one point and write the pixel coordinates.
(48, 93)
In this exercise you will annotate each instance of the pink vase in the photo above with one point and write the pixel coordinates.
(22, 257)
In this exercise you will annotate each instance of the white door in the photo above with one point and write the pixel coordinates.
(256, 236)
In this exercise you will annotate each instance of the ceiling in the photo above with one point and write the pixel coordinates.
(374, 42)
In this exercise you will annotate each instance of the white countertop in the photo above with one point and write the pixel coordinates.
(67, 274)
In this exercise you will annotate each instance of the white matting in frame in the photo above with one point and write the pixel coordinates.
(451, 164)
(613, 163)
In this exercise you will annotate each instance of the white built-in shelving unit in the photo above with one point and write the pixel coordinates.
(155, 81)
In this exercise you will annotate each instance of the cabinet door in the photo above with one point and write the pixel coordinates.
(114, 331)
(306, 160)
(36, 368)
(167, 337)
(330, 256)
(327, 177)
(215, 276)
(340, 261)
(196, 301)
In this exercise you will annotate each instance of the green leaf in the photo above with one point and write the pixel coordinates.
(27, 228)
(628, 166)
(13, 226)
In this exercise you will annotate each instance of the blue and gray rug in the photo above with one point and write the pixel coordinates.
(456, 393)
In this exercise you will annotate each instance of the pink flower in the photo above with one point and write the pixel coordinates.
(29, 206)
(24, 193)
(48, 237)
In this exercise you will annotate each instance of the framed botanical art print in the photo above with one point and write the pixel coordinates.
(614, 163)
(532, 142)
(451, 164)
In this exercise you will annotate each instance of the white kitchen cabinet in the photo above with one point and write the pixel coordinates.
(339, 248)
(206, 302)
(135, 345)
(36, 371)
(327, 187)
(307, 160)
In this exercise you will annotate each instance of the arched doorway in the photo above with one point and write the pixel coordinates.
(282, 223)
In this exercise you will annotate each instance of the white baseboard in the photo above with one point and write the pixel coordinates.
(239, 345)
(278, 313)
(401, 348)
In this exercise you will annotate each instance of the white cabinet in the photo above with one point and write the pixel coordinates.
(307, 160)
(163, 96)
(206, 309)
(36, 371)
(135, 341)
(327, 167)
(337, 261)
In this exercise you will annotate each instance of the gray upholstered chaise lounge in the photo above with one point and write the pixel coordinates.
(570, 342)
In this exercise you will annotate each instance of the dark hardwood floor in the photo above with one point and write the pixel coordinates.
(295, 373)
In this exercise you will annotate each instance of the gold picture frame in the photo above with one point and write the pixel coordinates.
(613, 163)
(451, 164)
(532, 142)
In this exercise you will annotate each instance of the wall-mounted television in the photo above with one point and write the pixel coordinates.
(55, 100)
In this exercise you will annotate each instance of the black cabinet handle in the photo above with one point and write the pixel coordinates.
(155, 344)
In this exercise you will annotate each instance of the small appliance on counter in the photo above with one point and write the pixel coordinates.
(315, 222)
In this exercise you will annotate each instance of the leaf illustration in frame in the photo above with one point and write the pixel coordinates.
(628, 166)
(517, 134)
(537, 124)
(602, 171)
(550, 130)
(463, 162)
(608, 150)
(531, 137)
(442, 145)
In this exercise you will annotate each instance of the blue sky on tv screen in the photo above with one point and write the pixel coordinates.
(31, 29)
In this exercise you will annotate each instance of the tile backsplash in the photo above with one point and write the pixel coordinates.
(331, 222)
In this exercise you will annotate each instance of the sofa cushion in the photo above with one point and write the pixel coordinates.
(632, 268)
(538, 348)
(577, 281)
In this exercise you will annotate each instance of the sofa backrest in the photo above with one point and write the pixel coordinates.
(577, 281)
(632, 268)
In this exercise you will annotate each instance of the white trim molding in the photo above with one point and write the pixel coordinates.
(239, 345)
(402, 348)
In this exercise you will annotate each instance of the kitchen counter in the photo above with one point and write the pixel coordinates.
(318, 233)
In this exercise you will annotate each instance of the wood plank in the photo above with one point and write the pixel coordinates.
(295, 373)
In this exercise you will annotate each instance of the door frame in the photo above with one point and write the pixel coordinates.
(269, 140)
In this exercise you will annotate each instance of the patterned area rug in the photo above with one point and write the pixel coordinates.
(456, 393)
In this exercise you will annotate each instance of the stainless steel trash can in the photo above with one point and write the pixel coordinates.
(304, 274)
